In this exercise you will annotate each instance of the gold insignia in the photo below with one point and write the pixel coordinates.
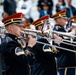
(72, 19)
(11, 20)
(54, 50)
(59, 15)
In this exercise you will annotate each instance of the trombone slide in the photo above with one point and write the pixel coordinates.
(34, 31)
(65, 34)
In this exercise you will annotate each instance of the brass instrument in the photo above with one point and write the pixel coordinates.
(2, 31)
(2, 27)
(30, 32)
(50, 32)
(53, 46)
(69, 35)
(64, 34)
(73, 23)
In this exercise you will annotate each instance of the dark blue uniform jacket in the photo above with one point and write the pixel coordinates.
(15, 60)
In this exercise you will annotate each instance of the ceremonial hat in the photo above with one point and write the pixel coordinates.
(41, 20)
(15, 18)
(73, 18)
(61, 14)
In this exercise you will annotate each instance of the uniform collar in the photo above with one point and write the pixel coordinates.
(11, 36)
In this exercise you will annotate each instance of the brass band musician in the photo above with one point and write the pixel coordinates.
(66, 60)
(15, 55)
(44, 57)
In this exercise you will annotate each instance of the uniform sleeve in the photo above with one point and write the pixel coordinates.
(43, 51)
(16, 53)
(39, 47)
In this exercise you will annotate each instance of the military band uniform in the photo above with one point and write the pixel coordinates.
(0, 65)
(3, 67)
(13, 51)
(66, 60)
(14, 57)
(45, 63)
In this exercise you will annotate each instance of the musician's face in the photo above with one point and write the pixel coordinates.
(39, 27)
(61, 21)
(16, 30)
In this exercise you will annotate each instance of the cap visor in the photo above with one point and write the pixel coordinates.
(19, 23)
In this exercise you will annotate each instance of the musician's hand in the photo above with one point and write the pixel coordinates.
(57, 39)
(32, 41)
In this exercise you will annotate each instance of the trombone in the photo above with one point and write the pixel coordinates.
(2, 31)
(2, 27)
(65, 34)
(37, 32)
(69, 35)
(58, 47)
(53, 46)
(30, 32)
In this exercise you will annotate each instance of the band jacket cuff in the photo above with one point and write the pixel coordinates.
(28, 48)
